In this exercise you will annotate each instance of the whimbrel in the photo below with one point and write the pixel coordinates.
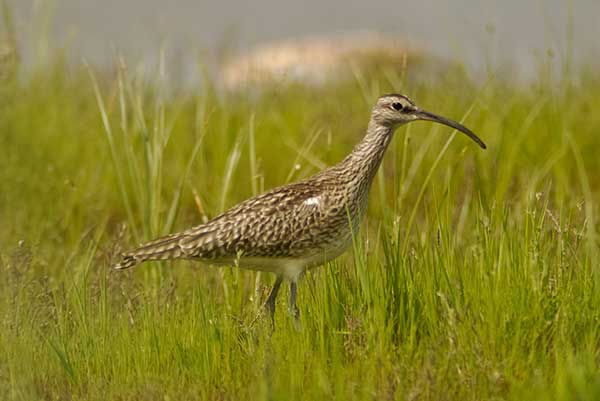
(295, 227)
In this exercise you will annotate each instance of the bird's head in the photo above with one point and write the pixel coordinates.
(394, 110)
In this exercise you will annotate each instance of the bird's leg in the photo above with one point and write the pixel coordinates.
(293, 309)
(270, 303)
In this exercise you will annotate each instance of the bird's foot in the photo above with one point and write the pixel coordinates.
(270, 308)
(258, 314)
(269, 304)
(295, 314)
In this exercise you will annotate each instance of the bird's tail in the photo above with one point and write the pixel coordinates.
(159, 249)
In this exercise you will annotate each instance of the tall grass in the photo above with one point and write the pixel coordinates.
(475, 275)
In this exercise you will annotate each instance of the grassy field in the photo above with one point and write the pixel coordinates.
(475, 276)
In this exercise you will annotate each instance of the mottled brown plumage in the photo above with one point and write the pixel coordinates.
(295, 227)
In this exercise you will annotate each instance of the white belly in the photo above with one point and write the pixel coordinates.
(290, 268)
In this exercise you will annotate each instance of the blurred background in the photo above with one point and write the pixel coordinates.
(484, 35)
(475, 276)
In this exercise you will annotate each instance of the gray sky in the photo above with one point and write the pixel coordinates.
(479, 32)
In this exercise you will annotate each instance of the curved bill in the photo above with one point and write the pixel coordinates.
(425, 115)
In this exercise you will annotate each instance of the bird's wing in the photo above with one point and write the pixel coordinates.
(279, 223)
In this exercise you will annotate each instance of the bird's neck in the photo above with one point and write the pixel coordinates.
(364, 160)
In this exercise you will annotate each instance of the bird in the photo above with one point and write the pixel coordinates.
(292, 228)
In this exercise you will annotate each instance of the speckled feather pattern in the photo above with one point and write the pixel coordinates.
(302, 225)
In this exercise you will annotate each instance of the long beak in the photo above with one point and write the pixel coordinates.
(425, 115)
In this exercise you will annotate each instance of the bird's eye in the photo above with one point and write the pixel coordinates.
(397, 106)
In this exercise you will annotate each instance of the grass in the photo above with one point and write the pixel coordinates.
(475, 276)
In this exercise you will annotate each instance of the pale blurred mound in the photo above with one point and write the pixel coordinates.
(318, 60)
